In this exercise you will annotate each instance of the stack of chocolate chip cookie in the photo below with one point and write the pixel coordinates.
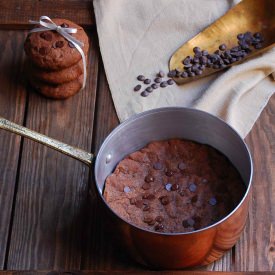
(55, 66)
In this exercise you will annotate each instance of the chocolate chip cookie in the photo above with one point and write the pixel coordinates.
(56, 77)
(61, 91)
(174, 186)
(50, 50)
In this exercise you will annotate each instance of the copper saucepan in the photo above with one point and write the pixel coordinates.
(166, 250)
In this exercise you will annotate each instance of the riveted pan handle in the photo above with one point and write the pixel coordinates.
(59, 146)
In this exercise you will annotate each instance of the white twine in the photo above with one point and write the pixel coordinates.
(65, 32)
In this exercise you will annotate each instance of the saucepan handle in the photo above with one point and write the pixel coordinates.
(64, 148)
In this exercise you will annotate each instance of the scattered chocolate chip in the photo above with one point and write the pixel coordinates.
(184, 74)
(159, 227)
(171, 74)
(159, 219)
(212, 201)
(161, 74)
(168, 186)
(141, 78)
(126, 189)
(157, 166)
(192, 187)
(163, 84)
(146, 208)
(43, 50)
(170, 81)
(149, 89)
(158, 80)
(164, 200)
(144, 94)
(146, 186)
(147, 81)
(175, 187)
(154, 86)
(149, 178)
(182, 166)
(59, 44)
(137, 88)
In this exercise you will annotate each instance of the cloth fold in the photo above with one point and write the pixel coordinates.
(138, 37)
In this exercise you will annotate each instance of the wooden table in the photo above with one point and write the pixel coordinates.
(48, 220)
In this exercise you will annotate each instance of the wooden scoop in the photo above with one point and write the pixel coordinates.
(248, 16)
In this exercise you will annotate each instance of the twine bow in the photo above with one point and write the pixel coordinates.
(65, 32)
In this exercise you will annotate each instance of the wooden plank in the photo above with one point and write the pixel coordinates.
(53, 188)
(15, 14)
(12, 106)
(256, 249)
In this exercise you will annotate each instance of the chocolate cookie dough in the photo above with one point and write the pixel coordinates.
(174, 186)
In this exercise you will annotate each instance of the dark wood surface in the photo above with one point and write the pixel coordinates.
(48, 219)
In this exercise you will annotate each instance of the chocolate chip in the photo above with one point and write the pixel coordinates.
(149, 89)
(186, 60)
(163, 84)
(161, 74)
(158, 80)
(170, 81)
(147, 81)
(191, 74)
(164, 200)
(222, 47)
(154, 86)
(194, 199)
(175, 187)
(59, 44)
(46, 35)
(133, 201)
(149, 178)
(148, 196)
(192, 187)
(204, 52)
(184, 74)
(258, 46)
(146, 208)
(152, 222)
(182, 166)
(198, 72)
(157, 166)
(168, 186)
(196, 49)
(188, 223)
(126, 189)
(144, 94)
(137, 88)
(147, 219)
(169, 173)
(146, 186)
(141, 78)
(159, 219)
(159, 227)
(212, 201)
(64, 25)
(172, 73)
(240, 36)
(71, 45)
(43, 50)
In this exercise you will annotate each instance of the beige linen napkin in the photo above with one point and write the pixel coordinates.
(139, 36)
